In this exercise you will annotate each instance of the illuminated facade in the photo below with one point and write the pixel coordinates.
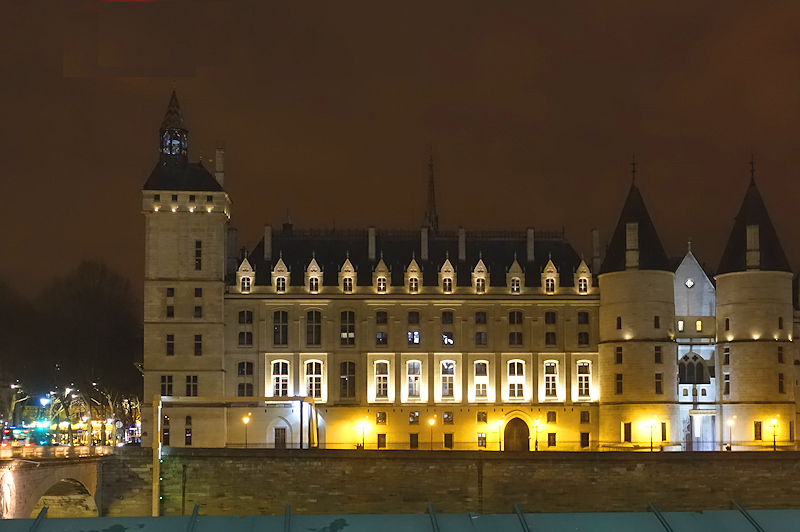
(456, 340)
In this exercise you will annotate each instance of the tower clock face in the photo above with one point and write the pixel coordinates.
(689, 282)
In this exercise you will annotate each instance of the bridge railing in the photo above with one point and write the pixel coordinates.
(57, 451)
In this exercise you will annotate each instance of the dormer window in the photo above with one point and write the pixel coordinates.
(382, 285)
(550, 286)
(280, 285)
(347, 284)
(480, 285)
(244, 276)
(313, 284)
(583, 285)
(245, 284)
(447, 285)
(515, 285)
(413, 285)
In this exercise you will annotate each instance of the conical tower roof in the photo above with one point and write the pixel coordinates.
(174, 118)
(651, 252)
(753, 212)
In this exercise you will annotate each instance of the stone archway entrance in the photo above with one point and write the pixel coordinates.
(516, 436)
(67, 498)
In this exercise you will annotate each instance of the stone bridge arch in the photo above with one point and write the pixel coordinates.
(26, 486)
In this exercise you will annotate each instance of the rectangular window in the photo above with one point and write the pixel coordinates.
(480, 390)
(413, 337)
(191, 386)
(170, 292)
(515, 338)
(447, 317)
(550, 377)
(480, 338)
(550, 285)
(187, 441)
(314, 379)
(245, 317)
(165, 431)
(280, 284)
(480, 318)
(198, 311)
(166, 385)
(515, 317)
(583, 379)
(198, 255)
(313, 327)
(480, 285)
(170, 345)
(780, 355)
(174, 197)
(413, 441)
(347, 284)
(619, 323)
(584, 416)
(618, 383)
(170, 311)
(551, 439)
(551, 416)
(618, 355)
(658, 358)
(413, 284)
(659, 383)
(584, 440)
(583, 338)
(698, 326)
(313, 284)
(348, 328)
(447, 338)
(245, 389)
(280, 379)
(381, 317)
(626, 432)
(381, 338)
(347, 380)
(656, 322)
(550, 318)
(726, 384)
(381, 441)
(781, 387)
(448, 375)
(244, 369)
(156, 197)
(663, 431)
(413, 318)
(280, 327)
(380, 418)
(382, 380)
(726, 355)
(191, 198)
(447, 284)
(757, 431)
(481, 369)
(515, 391)
(482, 417)
(447, 418)
(209, 198)
(583, 318)
(481, 440)
(245, 286)
(245, 339)
(549, 338)
(583, 285)
(198, 345)
(780, 323)
(382, 284)
(413, 374)
(413, 418)
(515, 284)
(198, 292)
(680, 325)
(448, 440)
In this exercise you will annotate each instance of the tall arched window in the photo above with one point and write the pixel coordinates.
(313, 327)
(280, 378)
(314, 379)
(348, 327)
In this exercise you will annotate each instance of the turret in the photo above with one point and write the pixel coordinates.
(637, 352)
(754, 329)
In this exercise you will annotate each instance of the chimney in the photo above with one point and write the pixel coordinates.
(219, 167)
(462, 244)
(530, 242)
(371, 245)
(423, 252)
(595, 251)
(267, 242)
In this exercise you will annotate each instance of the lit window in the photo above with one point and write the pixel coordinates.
(381, 380)
(413, 285)
(448, 375)
(481, 379)
(347, 284)
(583, 285)
(698, 326)
(313, 284)
(413, 418)
(550, 377)
(583, 379)
(381, 338)
(314, 379)
(482, 440)
(447, 338)
(280, 379)
(480, 285)
(550, 285)
(515, 285)
(245, 284)
(413, 374)
(348, 328)
(680, 325)
(380, 418)
(280, 284)
(381, 284)
(413, 337)
(447, 285)
(516, 380)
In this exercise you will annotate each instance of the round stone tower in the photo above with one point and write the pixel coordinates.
(637, 352)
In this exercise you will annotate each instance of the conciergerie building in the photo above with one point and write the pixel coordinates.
(467, 340)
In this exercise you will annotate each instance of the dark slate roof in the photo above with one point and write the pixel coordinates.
(651, 252)
(174, 118)
(753, 212)
(176, 173)
(331, 248)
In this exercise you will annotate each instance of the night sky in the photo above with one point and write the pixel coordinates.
(330, 110)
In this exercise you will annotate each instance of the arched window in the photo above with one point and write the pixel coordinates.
(448, 376)
(280, 378)
(314, 379)
(313, 327)
(348, 327)
(245, 284)
(516, 379)
(382, 379)
(245, 317)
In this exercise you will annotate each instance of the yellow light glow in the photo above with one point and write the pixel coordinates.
(536, 423)
(209, 209)
(431, 422)
(730, 422)
(191, 209)
(774, 422)
(155, 209)
(246, 420)
(362, 426)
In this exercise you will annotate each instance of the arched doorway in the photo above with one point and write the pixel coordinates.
(66, 498)
(516, 436)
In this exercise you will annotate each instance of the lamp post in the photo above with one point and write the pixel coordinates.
(500, 434)
(536, 442)
(431, 422)
(730, 434)
(246, 420)
(774, 425)
(652, 424)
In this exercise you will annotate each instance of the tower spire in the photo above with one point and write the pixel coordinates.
(431, 218)
(173, 133)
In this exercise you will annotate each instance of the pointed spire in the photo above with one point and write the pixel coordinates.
(431, 218)
(173, 134)
(173, 119)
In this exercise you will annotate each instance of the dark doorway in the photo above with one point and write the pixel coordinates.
(516, 436)
(280, 438)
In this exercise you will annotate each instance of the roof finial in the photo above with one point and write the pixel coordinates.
(752, 170)
(633, 168)
(689, 244)
(431, 218)
(347, 253)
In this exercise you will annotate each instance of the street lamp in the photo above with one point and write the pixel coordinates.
(536, 443)
(730, 434)
(362, 426)
(774, 424)
(431, 422)
(246, 420)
